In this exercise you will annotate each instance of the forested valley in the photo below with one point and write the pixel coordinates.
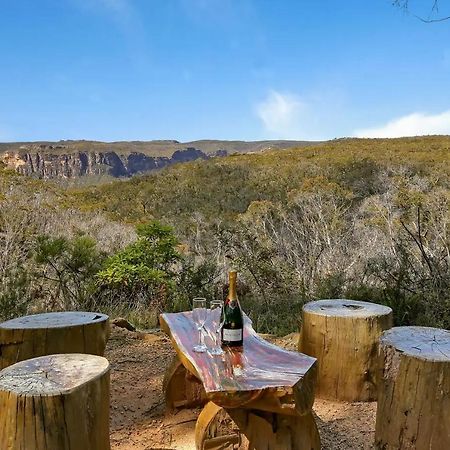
(350, 218)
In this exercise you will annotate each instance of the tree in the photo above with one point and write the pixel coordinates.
(145, 269)
(434, 10)
(67, 266)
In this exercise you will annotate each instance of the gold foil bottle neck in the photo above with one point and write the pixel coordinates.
(232, 294)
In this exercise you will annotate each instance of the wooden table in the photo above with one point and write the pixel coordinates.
(267, 391)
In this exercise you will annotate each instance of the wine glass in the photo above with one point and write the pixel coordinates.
(199, 316)
(215, 313)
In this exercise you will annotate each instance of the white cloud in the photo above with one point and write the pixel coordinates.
(416, 124)
(281, 113)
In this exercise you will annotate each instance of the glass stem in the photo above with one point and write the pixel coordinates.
(199, 336)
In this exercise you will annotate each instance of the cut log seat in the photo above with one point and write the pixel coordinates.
(50, 333)
(55, 402)
(343, 335)
(414, 389)
(266, 392)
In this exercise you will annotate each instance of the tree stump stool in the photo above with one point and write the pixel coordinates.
(55, 402)
(51, 333)
(343, 335)
(414, 389)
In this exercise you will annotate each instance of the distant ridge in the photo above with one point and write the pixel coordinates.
(152, 148)
(71, 159)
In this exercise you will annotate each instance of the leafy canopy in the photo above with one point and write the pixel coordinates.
(150, 259)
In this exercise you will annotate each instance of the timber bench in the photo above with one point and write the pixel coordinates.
(264, 392)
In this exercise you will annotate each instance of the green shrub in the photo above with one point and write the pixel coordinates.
(144, 272)
(15, 295)
(66, 269)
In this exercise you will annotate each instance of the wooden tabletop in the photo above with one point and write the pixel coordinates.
(242, 374)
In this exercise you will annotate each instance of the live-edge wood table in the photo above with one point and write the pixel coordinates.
(267, 391)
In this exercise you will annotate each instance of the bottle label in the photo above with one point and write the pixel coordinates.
(232, 335)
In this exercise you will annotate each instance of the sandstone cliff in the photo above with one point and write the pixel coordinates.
(73, 159)
(50, 162)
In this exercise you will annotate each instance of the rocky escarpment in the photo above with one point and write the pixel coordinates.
(47, 161)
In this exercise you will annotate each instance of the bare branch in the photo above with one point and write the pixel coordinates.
(404, 4)
(442, 19)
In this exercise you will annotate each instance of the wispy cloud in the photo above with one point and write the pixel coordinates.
(287, 115)
(416, 124)
(281, 113)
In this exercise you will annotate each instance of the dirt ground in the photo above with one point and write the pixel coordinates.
(139, 420)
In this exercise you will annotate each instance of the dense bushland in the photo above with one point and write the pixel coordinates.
(363, 219)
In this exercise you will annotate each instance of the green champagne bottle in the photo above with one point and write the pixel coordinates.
(232, 330)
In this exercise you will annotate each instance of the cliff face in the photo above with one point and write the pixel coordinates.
(49, 162)
(72, 159)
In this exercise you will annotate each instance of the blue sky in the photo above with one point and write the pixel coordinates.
(223, 69)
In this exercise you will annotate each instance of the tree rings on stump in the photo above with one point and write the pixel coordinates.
(414, 389)
(55, 402)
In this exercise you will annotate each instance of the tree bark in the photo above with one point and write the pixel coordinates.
(343, 335)
(47, 334)
(414, 389)
(55, 402)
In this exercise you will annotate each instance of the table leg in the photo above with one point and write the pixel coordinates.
(220, 429)
(215, 430)
(181, 388)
